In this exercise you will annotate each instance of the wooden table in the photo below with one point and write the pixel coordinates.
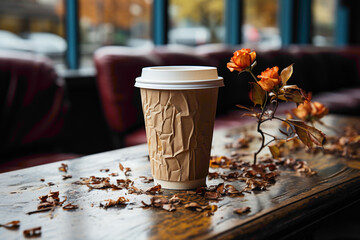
(289, 205)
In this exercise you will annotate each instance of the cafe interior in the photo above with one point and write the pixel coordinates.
(68, 67)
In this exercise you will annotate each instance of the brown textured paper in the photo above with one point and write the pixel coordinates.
(179, 127)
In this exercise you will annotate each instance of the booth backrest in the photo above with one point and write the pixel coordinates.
(32, 102)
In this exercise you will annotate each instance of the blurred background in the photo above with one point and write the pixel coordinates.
(44, 26)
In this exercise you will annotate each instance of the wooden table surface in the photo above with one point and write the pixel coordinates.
(292, 203)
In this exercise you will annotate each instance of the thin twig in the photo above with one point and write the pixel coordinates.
(40, 210)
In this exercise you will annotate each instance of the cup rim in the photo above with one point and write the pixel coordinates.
(181, 77)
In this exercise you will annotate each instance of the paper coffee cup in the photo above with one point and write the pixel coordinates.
(179, 106)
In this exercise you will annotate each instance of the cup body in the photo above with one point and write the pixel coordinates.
(179, 124)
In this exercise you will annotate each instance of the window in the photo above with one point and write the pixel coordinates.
(38, 25)
(196, 22)
(114, 22)
(261, 23)
(33, 26)
(323, 12)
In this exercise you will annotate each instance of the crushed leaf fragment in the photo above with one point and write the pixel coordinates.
(32, 232)
(11, 225)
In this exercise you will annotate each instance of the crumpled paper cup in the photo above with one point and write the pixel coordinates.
(179, 106)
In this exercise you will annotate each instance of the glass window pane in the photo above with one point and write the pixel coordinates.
(323, 12)
(33, 26)
(114, 22)
(195, 22)
(260, 26)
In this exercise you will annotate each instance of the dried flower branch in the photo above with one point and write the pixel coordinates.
(267, 90)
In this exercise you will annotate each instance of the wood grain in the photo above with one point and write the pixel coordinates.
(293, 202)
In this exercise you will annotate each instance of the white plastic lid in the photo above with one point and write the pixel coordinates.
(179, 78)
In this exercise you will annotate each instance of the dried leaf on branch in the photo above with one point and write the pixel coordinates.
(307, 134)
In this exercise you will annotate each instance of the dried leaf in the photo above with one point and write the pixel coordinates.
(63, 167)
(104, 170)
(175, 200)
(32, 232)
(231, 190)
(168, 207)
(11, 225)
(66, 177)
(121, 167)
(275, 151)
(195, 206)
(222, 162)
(286, 74)
(154, 190)
(242, 210)
(307, 134)
(213, 175)
(113, 174)
(292, 93)
(243, 107)
(70, 206)
(257, 94)
(220, 188)
(147, 179)
(133, 189)
(212, 195)
(111, 203)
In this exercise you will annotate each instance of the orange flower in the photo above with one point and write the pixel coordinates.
(308, 111)
(319, 110)
(269, 79)
(303, 111)
(241, 60)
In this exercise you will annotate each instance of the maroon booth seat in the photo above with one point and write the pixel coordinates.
(327, 72)
(33, 106)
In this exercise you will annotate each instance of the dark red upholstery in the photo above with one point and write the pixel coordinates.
(33, 106)
(318, 70)
(117, 69)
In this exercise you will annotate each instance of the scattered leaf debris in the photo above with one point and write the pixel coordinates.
(32, 232)
(11, 225)
(104, 170)
(347, 145)
(48, 202)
